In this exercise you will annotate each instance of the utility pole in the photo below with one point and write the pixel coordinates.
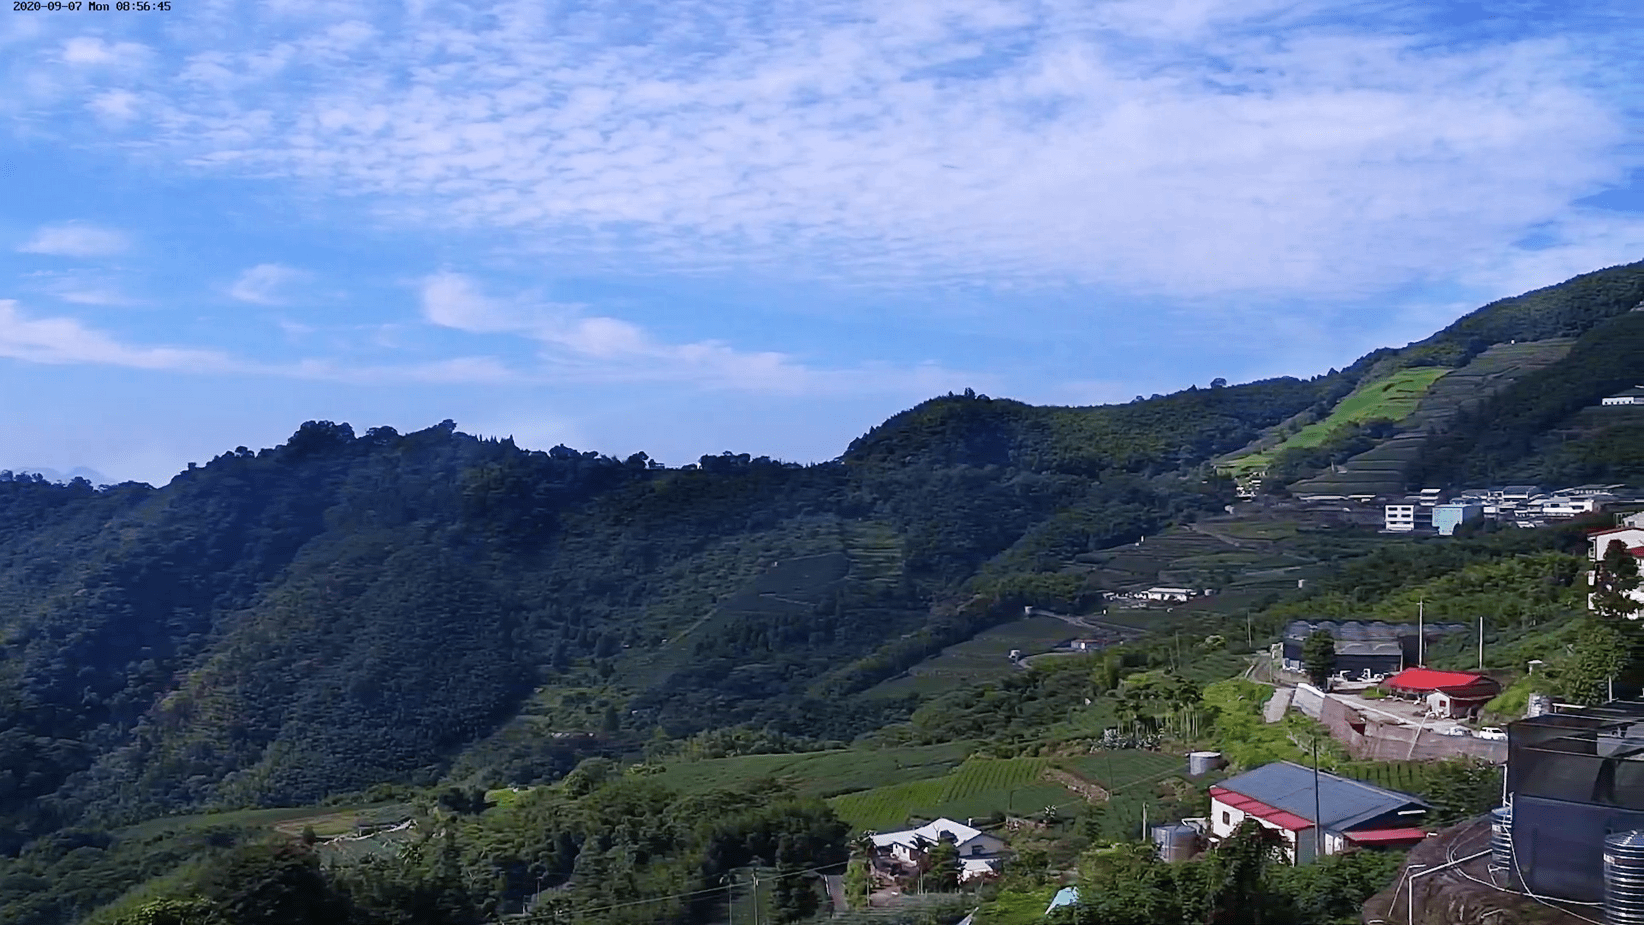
(1421, 633)
(1318, 815)
(1481, 642)
(756, 895)
(1249, 638)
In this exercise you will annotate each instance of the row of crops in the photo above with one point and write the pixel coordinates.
(979, 787)
(820, 773)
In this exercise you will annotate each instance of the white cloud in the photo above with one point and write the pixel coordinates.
(115, 105)
(579, 346)
(80, 286)
(104, 296)
(75, 240)
(262, 284)
(90, 50)
(66, 340)
(63, 340)
(1191, 148)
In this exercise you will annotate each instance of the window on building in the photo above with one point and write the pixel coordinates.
(1227, 818)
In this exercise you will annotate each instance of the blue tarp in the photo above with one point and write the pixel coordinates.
(1066, 896)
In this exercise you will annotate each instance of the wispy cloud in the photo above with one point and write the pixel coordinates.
(575, 344)
(66, 340)
(91, 50)
(1190, 149)
(263, 284)
(75, 240)
(81, 286)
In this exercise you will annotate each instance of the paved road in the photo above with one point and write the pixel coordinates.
(836, 892)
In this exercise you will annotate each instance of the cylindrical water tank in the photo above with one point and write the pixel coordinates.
(1179, 842)
(1501, 839)
(1201, 763)
(1624, 878)
(1539, 705)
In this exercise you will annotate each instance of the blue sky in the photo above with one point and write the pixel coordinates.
(689, 227)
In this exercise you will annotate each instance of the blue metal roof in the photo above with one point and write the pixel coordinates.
(1343, 803)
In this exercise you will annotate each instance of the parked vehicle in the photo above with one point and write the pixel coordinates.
(1452, 730)
(1492, 733)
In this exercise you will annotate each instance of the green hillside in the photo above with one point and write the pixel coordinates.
(1392, 398)
(349, 620)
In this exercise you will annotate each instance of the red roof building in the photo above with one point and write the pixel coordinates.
(1288, 798)
(1448, 693)
(1427, 680)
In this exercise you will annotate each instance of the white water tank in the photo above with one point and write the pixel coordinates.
(1202, 763)
(1538, 705)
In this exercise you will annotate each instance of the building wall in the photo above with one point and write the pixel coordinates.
(1560, 845)
(1225, 820)
(1446, 517)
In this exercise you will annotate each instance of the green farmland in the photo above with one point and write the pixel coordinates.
(820, 774)
(1393, 398)
(983, 657)
(979, 787)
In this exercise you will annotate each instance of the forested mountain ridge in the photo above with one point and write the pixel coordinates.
(1508, 392)
(347, 610)
(342, 610)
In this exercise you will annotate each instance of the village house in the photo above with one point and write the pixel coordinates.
(1363, 648)
(979, 852)
(1292, 800)
(1632, 396)
(1449, 694)
(1598, 543)
(1406, 516)
(1178, 595)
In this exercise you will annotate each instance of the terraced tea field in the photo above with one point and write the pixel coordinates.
(983, 657)
(979, 787)
(819, 773)
(1382, 469)
(1394, 398)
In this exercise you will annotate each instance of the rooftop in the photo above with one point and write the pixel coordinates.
(1288, 788)
(1427, 679)
(1365, 630)
(930, 832)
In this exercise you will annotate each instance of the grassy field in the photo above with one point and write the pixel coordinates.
(1394, 398)
(984, 657)
(1124, 769)
(1406, 776)
(1381, 470)
(327, 821)
(979, 787)
(820, 773)
(1016, 908)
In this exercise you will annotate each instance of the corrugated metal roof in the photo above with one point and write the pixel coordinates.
(1427, 679)
(1384, 836)
(1261, 810)
(1368, 630)
(1344, 803)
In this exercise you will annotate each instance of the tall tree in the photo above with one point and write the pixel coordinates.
(1319, 657)
(1600, 655)
(1615, 579)
(942, 866)
(1240, 865)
